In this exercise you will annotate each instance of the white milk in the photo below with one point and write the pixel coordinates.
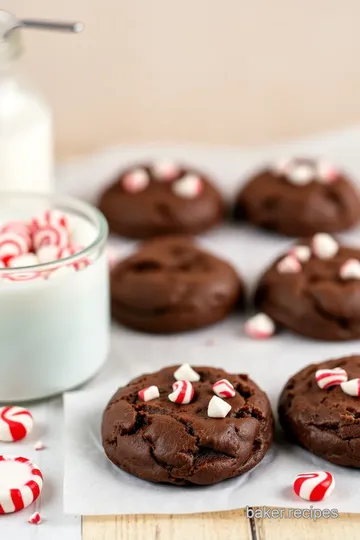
(54, 334)
(26, 146)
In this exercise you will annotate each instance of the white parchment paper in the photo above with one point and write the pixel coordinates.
(92, 484)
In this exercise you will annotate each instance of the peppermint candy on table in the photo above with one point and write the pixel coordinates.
(326, 172)
(39, 445)
(350, 269)
(218, 408)
(50, 218)
(288, 265)
(302, 253)
(224, 389)
(149, 393)
(326, 378)
(50, 235)
(300, 174)
(188, 187)
(186, 373)
(165, 170)
(28, 259)
(260, 326)
(136, 180)
(15, 423)
(20, 483)
(183, 392)
(351, 388)
(35, 518)
(12, 244)
(324, 246)
(314, 486)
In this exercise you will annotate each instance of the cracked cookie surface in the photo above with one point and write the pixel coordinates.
(315, 302)
(325, 422)
(270, 201)
(170, 285)
(162, 441)
(158, 210)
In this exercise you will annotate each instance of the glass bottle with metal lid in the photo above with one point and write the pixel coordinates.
(26, 135)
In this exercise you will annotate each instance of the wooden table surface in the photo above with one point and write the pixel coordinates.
(218, 526)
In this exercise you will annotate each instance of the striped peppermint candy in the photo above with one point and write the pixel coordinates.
(50, 235)
(224, 389)
(135, 181)
(73, 250)
(186, 373)
(15, 423)
(149, 393)
(314, 486)
(35, 518)
(351, 388)
(260, 326)
(183, 392)
(12, 244)
(289, 265)
(326, 378)
(218, 408)
(20, 483)
(50, 218)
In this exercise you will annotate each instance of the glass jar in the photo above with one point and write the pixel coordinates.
(54, 325)
(26, 140)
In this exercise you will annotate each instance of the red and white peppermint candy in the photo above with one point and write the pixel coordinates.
(218, 408)
(289, 265)
(324, 246)
(20, 227)
(224, 389)
(314, 486)
(15, 423)
(166, 170)
(28, 259)
(183, 392)
(50, 236)
(39, 445)
(300, 174)
(351, 388)
(186, 373)
(23, 276)
(20, 483)
(73, 250)
(50, 218)
(301, 253)
(326, 172)
(12, 244)
(326, 378)
(350, 269)
(260, 326)
(136, 180)
(35, 518)
(188, 187)
(149, 393)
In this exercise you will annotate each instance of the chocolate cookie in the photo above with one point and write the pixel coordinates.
(170, 285)
(299, 197)
(162, 441)
(148, 200)
(314, 290)
(325, 421)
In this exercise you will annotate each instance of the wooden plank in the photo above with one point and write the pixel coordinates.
(346, 526)
(212, 526)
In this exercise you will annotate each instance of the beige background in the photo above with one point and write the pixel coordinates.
(215, 71)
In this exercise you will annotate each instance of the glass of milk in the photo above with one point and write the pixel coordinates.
(26, 143)
(54, 333)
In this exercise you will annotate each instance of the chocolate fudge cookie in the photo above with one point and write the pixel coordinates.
(163, 441)
(148, 200)
(299, 197)
(326, 421)
(314, 290)
(170, 285)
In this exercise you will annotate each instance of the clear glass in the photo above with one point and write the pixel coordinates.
(26, 138)
(54, 333)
